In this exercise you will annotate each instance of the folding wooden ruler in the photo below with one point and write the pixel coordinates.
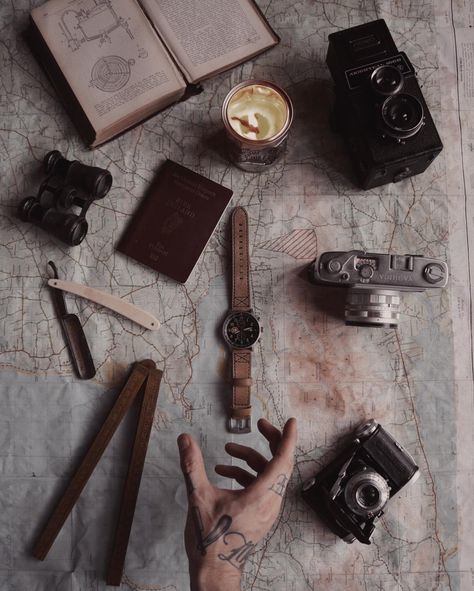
(143, 373)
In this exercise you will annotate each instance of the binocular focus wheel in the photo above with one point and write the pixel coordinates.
(66, 196)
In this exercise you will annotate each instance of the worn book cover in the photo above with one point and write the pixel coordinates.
(174, 222)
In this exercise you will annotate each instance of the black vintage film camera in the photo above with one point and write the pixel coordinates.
(350, 494)
(379, 107)
(68, 184)
(375, 281)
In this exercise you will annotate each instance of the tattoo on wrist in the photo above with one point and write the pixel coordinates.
(217, 532)
(240, 549)
(279, 486)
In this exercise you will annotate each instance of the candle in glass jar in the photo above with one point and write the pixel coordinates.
(257, 116)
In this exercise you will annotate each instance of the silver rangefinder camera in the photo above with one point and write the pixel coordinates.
(375, 282)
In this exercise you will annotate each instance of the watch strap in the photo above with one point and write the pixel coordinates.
(241, 383)
(240, 260)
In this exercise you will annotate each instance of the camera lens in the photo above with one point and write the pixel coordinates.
(386, 80)
(366, 493)
(368, 496)
(402, 116)
(372, 307)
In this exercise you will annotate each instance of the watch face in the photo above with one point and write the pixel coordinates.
(241, 330)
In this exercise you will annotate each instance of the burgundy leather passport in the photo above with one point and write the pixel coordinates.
(174, 221)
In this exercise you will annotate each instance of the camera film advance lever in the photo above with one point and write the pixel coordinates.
(350, 494)
(73, 332)
(375, 282)
(145, 376)
(241, 327)
(68, 184)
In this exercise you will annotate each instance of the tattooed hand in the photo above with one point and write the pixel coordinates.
(223, 525)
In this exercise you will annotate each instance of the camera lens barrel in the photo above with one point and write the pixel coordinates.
(372, 307)
(366, 493)
(402, 116)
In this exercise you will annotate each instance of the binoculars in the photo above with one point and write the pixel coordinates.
(68, 184)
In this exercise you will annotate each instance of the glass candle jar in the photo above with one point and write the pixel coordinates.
(257, 116)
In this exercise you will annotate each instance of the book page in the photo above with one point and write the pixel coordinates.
(207, 36)
(110, 55)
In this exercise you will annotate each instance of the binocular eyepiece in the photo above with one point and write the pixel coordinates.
(68, 184)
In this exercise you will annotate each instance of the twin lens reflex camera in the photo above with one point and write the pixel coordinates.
(350, 494)
(375, 282)
(379, 107)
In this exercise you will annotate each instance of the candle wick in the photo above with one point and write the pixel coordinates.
(249, 126)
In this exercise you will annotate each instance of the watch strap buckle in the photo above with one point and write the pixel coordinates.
(239, 425)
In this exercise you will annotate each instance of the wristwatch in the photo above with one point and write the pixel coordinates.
(241, 327)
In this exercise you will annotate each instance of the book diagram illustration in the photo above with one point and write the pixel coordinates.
(90, 24)
(111, 73)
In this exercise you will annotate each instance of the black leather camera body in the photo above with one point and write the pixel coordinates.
(379, 107)
(350, 494)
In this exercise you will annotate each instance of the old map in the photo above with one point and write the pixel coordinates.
(417, 381)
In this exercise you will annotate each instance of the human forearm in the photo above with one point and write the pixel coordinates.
(208, 579)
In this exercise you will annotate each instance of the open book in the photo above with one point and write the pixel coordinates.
(117, 62)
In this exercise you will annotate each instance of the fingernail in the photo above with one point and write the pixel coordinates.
(183, 441)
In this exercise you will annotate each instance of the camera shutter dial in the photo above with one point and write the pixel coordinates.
(366, 493)
(366, 271)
